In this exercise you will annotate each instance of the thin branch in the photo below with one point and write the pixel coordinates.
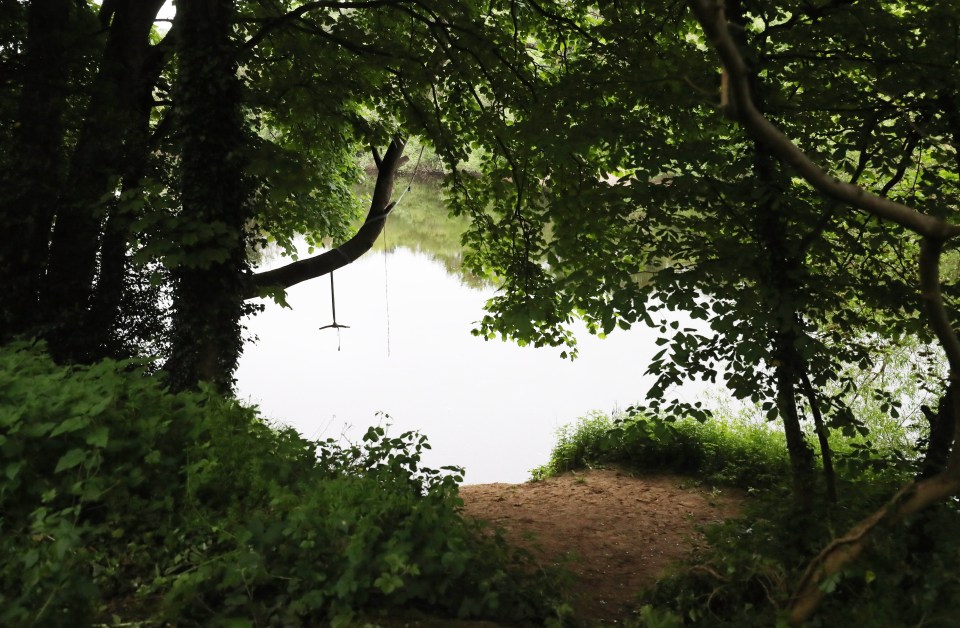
(569, 23)
(356, 48)
(862, 162)
(906, 160)
(302, 10)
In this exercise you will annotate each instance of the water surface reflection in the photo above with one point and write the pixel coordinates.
(491, 407)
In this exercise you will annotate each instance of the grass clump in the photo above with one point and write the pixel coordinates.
(738, 451)
(120, 502)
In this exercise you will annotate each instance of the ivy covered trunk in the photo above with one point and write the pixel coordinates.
(211, 270)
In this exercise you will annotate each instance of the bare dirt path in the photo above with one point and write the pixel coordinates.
(616, 532)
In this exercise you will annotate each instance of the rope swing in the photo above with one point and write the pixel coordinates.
(333, 308)
(333, 294)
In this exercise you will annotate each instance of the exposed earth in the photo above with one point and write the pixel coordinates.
(617, 532)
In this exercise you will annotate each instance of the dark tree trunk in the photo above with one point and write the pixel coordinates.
(213, 272)
(96, 168)
(31, 187)
(801, 455)
(942, 435)
(111, 282)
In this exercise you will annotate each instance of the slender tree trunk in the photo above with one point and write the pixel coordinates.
(100, 337)
(942, 427)
(801, 455)
(823, 435)
(114, 259)
(779, 278)
(30, 188)
(95, 170)
(212, 274)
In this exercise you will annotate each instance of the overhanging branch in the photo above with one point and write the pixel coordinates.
(738, 105)
(349, 251)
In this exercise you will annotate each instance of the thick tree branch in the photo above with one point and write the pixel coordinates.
(349, 251)
(738, 105)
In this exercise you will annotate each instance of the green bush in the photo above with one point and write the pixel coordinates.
(732, 452)
(122, 502)
(581, 444)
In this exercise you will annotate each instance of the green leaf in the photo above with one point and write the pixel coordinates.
(99, 437)
(36, 430)
(13, 469)
(70, 459)
(71, 425)
(10, 416)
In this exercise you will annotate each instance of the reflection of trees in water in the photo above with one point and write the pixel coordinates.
(421, 222)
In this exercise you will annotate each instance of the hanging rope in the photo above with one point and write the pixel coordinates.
(386, 251)
(333, 308)
(386, 286)
(413, 178)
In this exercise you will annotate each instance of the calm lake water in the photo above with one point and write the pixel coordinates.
(489, 406)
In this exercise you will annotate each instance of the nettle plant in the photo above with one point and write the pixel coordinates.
(121, 499)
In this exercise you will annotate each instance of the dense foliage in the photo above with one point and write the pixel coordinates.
(628, 170)
(584, 143)
(120, 502)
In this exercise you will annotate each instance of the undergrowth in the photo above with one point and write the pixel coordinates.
(745, 574)
(748, 571)
(120, 503)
